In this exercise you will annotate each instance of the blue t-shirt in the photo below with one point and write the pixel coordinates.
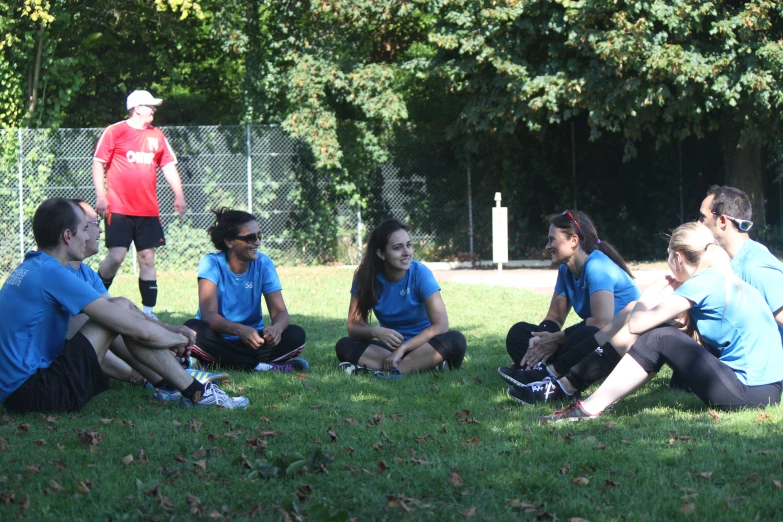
(400, 306)
(598, 273)
(755, 265)
(743, 332)
(239, 295)
(89, 276)
(36, 303)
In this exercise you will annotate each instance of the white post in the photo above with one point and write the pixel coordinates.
(133, 257)
(21, 202)
(499, 234)
(359, 228)
(249, 172)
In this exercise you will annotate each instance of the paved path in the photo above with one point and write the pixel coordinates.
(537, 280)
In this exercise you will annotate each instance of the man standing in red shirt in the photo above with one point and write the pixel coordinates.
(132, 150)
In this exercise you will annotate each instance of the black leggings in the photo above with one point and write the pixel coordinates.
(212, 347)
(450, 345)
(564, 358)
(709, 378)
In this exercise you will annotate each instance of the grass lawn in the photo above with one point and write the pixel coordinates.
(401, 448)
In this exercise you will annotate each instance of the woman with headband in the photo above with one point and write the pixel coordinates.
(734, 360)
(592, 279)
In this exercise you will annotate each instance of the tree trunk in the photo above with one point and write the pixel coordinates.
(744, 171)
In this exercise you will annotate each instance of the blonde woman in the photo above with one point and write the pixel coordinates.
(732, 320)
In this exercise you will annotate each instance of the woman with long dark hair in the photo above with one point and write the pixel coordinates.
(413, 328)
(738, 359)
(593, 279)
(229, 323)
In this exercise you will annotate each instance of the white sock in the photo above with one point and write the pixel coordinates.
(262, 367)
(147, 310)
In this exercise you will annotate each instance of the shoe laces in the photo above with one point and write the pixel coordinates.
(545, 385)
(281, 368)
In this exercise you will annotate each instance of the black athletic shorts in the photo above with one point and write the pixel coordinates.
(73, 378)
(146, 232)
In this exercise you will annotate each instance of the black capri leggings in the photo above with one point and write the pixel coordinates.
(520, 334)
(211, 347)
(450, 345)
(709, 378)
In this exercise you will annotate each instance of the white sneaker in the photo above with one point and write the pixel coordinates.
(151, 315)
(216, 398)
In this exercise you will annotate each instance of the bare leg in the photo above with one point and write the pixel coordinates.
(118, 347)
(422, 359)
(626, 378)
(162, 362)
(146, 259)
(109, 266)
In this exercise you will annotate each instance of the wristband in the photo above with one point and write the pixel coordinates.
(549, 326)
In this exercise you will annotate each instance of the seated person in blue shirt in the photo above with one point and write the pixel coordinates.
(413, 328)
(592, 278)
(731, 318)
(39, 369)
(119, 363)
(229, 323)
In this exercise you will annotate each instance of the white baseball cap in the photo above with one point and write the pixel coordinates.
(137, 98)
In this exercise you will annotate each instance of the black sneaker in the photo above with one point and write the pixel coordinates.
(573, 413)
(352, 369)
(522, 377)
(542, 391)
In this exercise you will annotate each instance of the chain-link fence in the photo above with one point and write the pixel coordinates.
(257, 168)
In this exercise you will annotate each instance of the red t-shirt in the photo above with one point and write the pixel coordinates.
(132, 157)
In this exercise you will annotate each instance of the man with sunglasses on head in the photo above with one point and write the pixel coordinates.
(131, 151)
(726, 211)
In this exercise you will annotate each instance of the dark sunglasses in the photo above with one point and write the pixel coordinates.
(743, 224)
(572, 218)
(250, 238)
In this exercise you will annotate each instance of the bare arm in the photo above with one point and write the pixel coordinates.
(98, 180)
(171, 174)
(278, 313)
(359, 328)
(439, 319)
(117, 319)
(208, 306)
(601, 308)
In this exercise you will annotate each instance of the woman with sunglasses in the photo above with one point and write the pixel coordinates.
(413, 328)
(229, 324)
(592, 279)
(735, 360)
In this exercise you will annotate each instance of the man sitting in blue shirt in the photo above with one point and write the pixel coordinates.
(39, 369)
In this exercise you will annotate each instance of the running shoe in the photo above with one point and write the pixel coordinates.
(394, 373)
(299, 365)
(272, 367)
(205, 377)
(352, 369)
(214, 397)
(379, 374)
(443, 367)
(536, 392)
(522, 377)
(573, 413)
(164, 395)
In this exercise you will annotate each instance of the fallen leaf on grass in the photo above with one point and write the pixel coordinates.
(601, 446)
(381, 466)
(92, 438)
(49, 419)
(165, 503)
(58, 464)
(200, 466)
(714, 415)
(84, 486)
(257, 444)
(525, 506)
(273, 433)
(351, 421)
(377, 446)
(577, 519)
(610, 425)
(421, 462)
(423, 438)
(107, 421)
(681, 438)
(194, 505)
(39, 442)
(303, 492)
(581, 481)
(461, 382)
(332, 434)
(127, 460)
(608, 484)
(3, 444)
(566, 469)
(763, 416)
(142, 458)
(24, 428)
(194, 425)
(468, 513)
(180, 458)
(32, 470)
(397, 416)
(544, 515)
(705, 474)
(377, 418)
(264, 419)
(349, 450)
(55, 486)
(471, 442)
(316, 406)
(777, 484)
(687, 508)
(25, 505)
(454, 478)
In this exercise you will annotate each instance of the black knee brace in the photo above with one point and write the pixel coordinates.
(594, 367)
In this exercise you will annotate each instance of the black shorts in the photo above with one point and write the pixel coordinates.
(146, 232)
(73, 378)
